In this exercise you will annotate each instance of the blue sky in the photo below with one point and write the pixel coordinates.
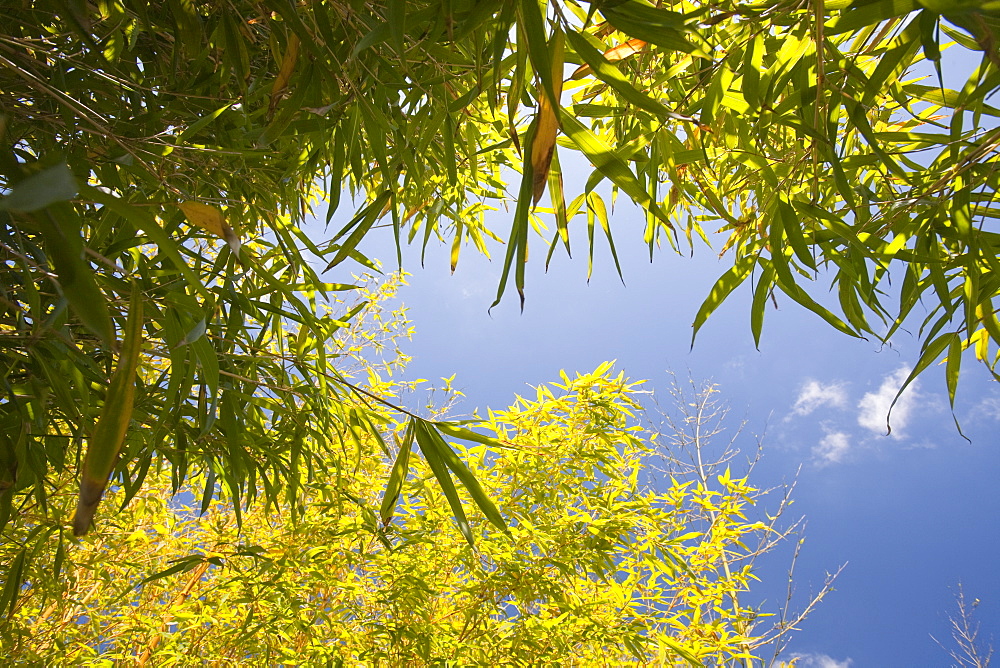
(909, 515)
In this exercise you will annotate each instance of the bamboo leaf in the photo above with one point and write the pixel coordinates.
(953, 368)
(13, 582)
(658, 26)
(723, 287)
(557, 194)
(358, 228)
(625, 50)
(212, 220)
(611, 164)
(112, 426)
(533, 22)
(61, 228)
(457, 431)
(182, 565)
(285, 72)
(517, 241)
(435, 459)
(547, 123)
(929, 352)
(468, 479)
(201, 123)
(862, 14)
(144, 222)
(760, 294)
(612, 76)
(51, 185)
(400, 469)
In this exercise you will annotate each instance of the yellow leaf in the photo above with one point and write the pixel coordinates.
(211, 219)
(285, 73)
(548, 122)
(615, 53)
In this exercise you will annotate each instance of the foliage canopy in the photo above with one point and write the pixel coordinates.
(598, 569)
(160, 158)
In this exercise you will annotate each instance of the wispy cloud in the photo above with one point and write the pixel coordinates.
(832, 448)
(874, 406)
(815, 394)
(817, 661)
(987, 409)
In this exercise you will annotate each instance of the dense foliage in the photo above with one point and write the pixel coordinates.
(598, 569)
(161, 308)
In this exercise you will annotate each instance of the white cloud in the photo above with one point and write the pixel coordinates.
(987, 409)
(874, 406)
(832, 448)
(815, 394)
(817, 661)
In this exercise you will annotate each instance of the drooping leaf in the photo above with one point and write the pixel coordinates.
(400, 469)
(109, 435)
(547, 123)
(723, 287)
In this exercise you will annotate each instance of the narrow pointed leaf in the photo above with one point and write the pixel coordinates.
(112, 426)
(467, 478)
(547, 125)
(435, 459)
(400, 468)
(723, 287)
(610, 164)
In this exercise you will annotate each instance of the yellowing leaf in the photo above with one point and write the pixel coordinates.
(620, 52)
(548, 121)
(285, 73)
(211, 219)
(106, 441)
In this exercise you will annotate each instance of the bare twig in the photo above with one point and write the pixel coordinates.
(970, 650)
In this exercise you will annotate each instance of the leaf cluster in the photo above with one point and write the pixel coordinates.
(170, 152)
(595, 568)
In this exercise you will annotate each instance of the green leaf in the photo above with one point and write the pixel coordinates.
(611, 75)
(358, 227)
(202, 123)
(558, 197)
(142, 221)
(792, 228)
(400, 468)
(596, 204)
(538, 48)
(182, 565)
(953, 367)
(651, 24)
(106, 442)
(51, 185)
(793, 290)
(435, 459)
(194, 333)
(12, 585)
(610, 163)
(930, 351)
(517, 240)
(61, 228)
(863, 13)
(468, 479)
(723, 287)
(760, 294)
(456, 431)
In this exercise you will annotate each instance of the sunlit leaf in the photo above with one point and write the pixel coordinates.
(211, 219)
(109, 435)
